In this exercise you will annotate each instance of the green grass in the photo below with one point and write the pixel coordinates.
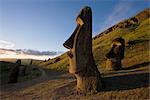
(5, 70)
(28, 77)
(135, 54)
(61, 65)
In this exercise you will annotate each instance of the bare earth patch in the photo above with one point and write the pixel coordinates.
(123, 84)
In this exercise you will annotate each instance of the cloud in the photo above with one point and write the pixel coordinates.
(6, 44)
(119, 12)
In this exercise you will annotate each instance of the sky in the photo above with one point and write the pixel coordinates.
(46, 24)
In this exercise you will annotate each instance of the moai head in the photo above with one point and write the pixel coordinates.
(18, 62)
(117, 49)
(80, 42)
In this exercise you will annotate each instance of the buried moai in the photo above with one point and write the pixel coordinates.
(80, 54)
(13, 78)
(116, 54)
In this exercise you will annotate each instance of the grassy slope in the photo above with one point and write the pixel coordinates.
(131, 83)
(5, 70)
(134, 54)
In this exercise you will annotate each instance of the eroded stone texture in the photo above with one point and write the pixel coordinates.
(80, 54)
(116, 54)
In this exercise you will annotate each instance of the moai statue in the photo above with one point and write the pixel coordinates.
(116, 54)
(23, 70)
(31, 62)
(13, 78)
(29, 67)
(80, 54)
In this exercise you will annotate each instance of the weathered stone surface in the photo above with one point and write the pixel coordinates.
(13, 78)
(80, 54)
(116, 54)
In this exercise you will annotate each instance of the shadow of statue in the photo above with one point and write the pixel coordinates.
(126, 81)
(137, 66)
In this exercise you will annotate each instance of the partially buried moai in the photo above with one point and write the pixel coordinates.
(13, 78)
(80, 54)
(116, 54)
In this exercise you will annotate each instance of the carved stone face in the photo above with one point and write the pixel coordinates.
(80, 42)
(117, 49)
(84, 17)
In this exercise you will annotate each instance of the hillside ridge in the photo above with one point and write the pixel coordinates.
(127, 22)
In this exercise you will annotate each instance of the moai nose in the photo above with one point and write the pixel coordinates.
(69, 43)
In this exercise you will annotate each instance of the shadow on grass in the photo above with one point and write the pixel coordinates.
(130, 69)
(137, 66)
(125, 82)
(47, 75)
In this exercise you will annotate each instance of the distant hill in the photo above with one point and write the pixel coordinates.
(27, 54)
(28, 51)
(134, 30)
(131, 82)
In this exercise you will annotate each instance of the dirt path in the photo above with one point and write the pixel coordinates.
(53, 85)
(48, 80)
(46, 75)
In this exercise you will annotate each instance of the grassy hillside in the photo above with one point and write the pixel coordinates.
(136, 34)
(130, 83)
(6, 68)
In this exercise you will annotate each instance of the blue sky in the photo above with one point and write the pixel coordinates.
(46, 24)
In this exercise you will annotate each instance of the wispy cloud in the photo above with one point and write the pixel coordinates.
(119, 13)
(6, 44)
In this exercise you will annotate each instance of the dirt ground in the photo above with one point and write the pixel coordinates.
(129, 83)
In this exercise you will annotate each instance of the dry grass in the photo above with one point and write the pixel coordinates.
(130, 83)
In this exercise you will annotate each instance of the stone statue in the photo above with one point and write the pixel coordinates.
(13, 78)
(116, 54)
(80, 54)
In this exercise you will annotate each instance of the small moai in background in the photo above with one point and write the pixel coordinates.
(31, 62)
(29, 68)
(23, 70)
(13, 78)
(116, 54)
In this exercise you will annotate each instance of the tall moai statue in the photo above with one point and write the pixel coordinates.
(13, 78)
(80, 54)
(116, 54)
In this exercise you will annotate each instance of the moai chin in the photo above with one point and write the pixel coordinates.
(116, 54)
(80, 54)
